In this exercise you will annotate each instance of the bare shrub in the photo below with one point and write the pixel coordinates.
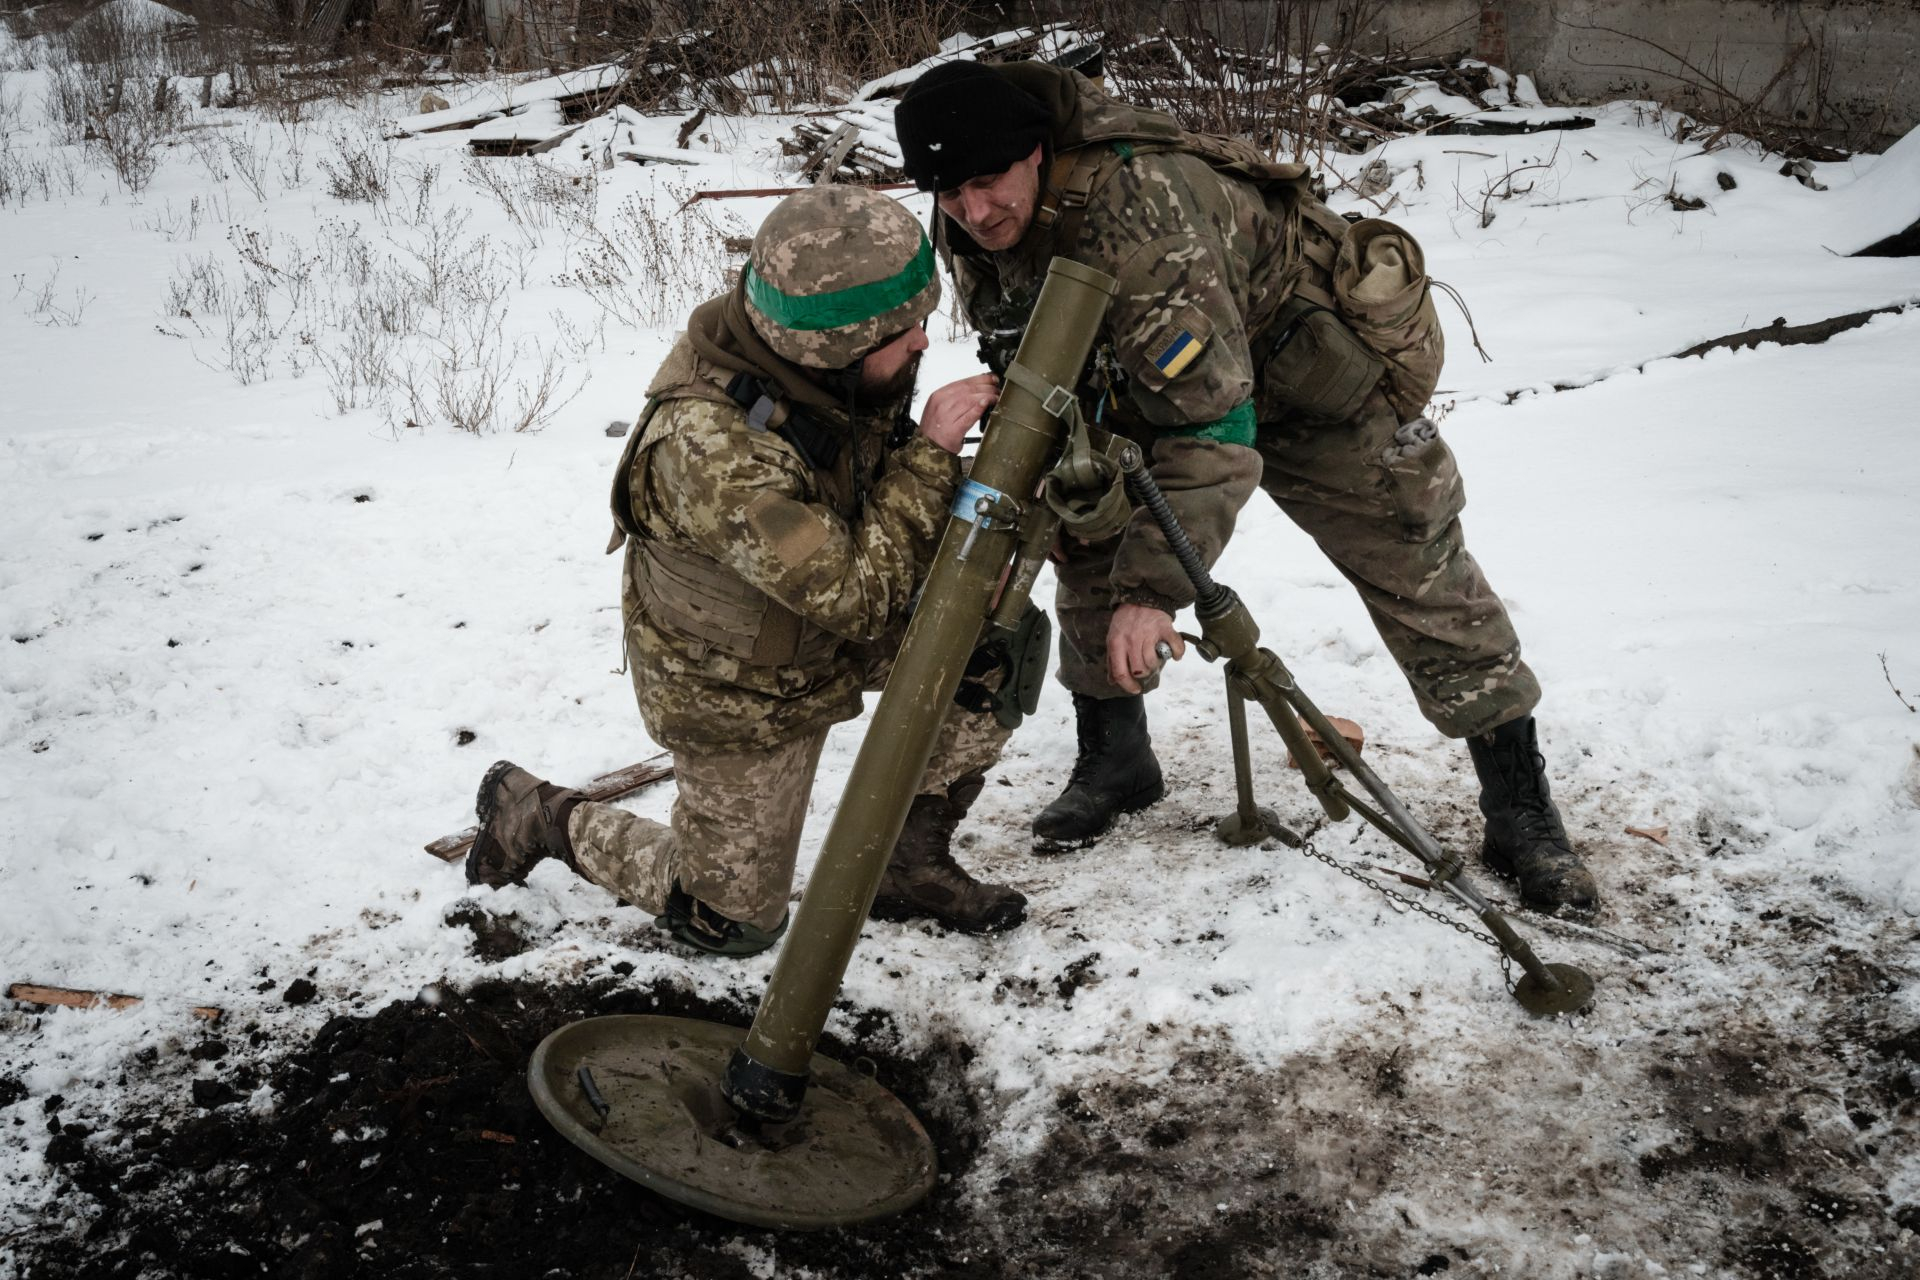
(740, 55)
(184, 223)
(132, 137)
(250, 159)
(210, 149)
(11, 102)
(1275, 74)
(108, 78)
(649, 270)
(358, 366)
(537, 196)
(197, 288)
(436, 249)
(411, 321)
(360, 168)
(48, 305)
(73, 100)
(14, 181)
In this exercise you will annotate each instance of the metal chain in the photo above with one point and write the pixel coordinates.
(1412, 904)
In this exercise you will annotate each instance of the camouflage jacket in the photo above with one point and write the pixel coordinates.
(1204, 260)
(754, 579)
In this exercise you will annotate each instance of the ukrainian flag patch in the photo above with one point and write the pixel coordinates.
(1182, 351)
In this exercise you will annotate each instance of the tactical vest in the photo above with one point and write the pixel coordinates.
(689, 595)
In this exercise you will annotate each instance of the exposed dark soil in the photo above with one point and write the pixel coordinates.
(417, 1119)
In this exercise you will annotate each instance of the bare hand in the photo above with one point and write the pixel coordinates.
(953, 409)
(1131, 637)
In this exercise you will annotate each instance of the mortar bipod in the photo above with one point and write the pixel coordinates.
(1229, 632)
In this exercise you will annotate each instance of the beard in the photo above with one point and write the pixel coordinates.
(870, 394)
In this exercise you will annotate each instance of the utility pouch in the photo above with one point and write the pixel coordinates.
(1316, 367)
(1085, 489)
(1021, 657)
(1380, 283)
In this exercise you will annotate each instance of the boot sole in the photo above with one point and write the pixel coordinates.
(900, 911)
(1133, 804)
(484, 803)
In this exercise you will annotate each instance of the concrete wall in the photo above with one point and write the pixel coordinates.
(1849, 67)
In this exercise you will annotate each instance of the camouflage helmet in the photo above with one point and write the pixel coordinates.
(836, 272)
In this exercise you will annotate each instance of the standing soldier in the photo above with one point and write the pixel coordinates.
(778, 509)
(1231, 357)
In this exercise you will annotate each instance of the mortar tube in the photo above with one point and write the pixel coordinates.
(766, 1077)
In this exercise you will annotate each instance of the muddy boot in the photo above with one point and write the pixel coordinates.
(1525, 839)
(522, 820)
(924, 882)
(700, 926)
(1115, 773)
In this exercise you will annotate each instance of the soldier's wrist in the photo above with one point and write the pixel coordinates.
(929, 463)
(1150, 599)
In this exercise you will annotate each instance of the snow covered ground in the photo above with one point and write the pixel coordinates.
(260, 647)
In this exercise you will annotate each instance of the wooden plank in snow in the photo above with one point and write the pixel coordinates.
(75, 998)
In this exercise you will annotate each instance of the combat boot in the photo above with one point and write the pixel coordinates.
(923, 880)
(1525, 838)
(522, 820)
(1114, 773)
(700, 926)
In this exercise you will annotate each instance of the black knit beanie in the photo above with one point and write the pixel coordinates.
(961, 120)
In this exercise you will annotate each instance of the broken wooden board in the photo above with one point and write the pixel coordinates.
(608, 786)
(520, 145)
(566, 90)
(530, 130)
(1355, 736)
(74, 998)
(1512, 123)
(641, 156)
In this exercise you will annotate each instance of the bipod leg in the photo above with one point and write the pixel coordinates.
(1261, 677)
(1251, 822)
(1228, 631)
(1545, 988)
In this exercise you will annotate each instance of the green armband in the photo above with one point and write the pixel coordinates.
(1237, 427)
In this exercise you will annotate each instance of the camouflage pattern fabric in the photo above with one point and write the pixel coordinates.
(836, 271)
(1203, 265)
(731, 838)
(737, 819)
(842, 547)
(844, 552)
(1383, 502)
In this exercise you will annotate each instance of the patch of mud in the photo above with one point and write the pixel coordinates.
(404, 1144)
(495, 937)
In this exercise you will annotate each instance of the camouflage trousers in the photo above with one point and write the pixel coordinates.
(1383, 501)
(734, 832)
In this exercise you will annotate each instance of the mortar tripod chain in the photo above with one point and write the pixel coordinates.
(1506, 961)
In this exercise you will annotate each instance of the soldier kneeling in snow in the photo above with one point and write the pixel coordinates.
(778, 509)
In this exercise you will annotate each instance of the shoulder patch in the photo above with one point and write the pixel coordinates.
(793, 529)
(1173, 354)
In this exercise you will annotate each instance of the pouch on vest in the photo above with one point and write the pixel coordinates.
(701, 603)
(1380, 282)
(1316, 367)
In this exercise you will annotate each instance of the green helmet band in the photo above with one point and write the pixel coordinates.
(842, 307)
